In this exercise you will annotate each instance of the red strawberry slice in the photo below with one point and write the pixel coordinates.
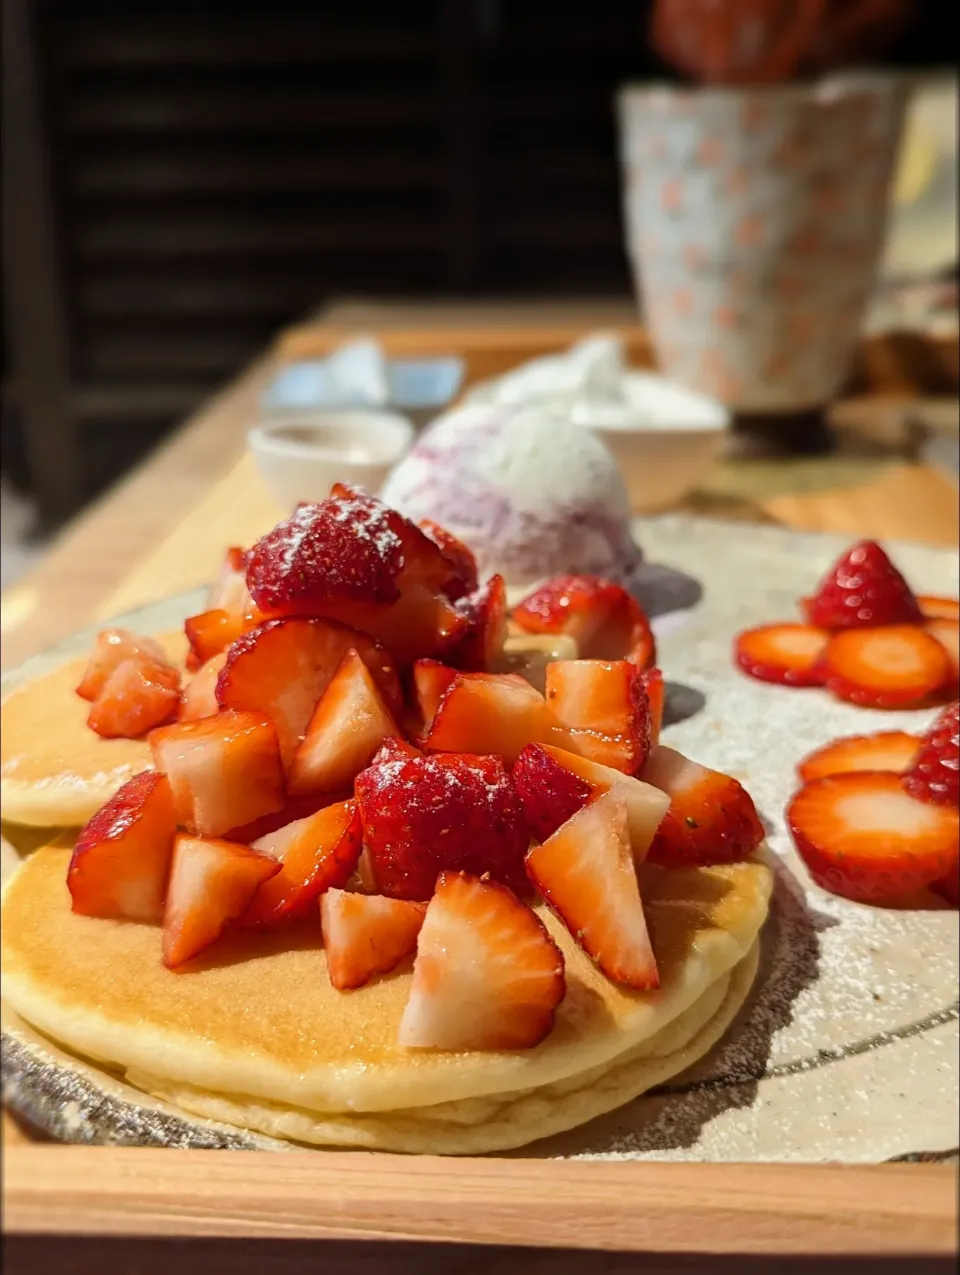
(246, 834)
(947, 633)
(211, 884)
(229, 592)
(605, 621)
(891, 750)
(711, 819)
(605, 708)
(487, 974)
(282, 667)
(463, 565)
(431, 680)
(934, 608)
(120, 863)
(212, 632)
(314, 853)
(224, 771)
(863, 837)
(651, 680)
(933, 772)
(787, 654)
(422, 815)
(889, 667)
(586, 874)
(348, 725)
(496, 713)
(138, 694)
(366, 934)
(199, 696)
(862, 589)
(485, 614)
(111, 648)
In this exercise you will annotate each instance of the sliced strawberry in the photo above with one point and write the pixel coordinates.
(787, 654)
(711, 819)
(862, 589)
(606, 622)
(947, 633)
(862, 836)
(111, 648)
(651, 680)
(487, 974)
(431, 680)
(463, 565)
(199, 697)
(934, 608)
(315, 853)
(394, 748)
(138, 695)
(348, 725)
(246, 834)
(211, 884)
(933, 772)
(421, 624)
(425, 814)
(282, 667)
(889, 750)
(485, 613)
(586, 873)
(885, 667)
(224, 771)
(229, 592)
(605, 708)
(543, 772)
(366, 934)
(212, 632)
(497, 713)
(120, 863)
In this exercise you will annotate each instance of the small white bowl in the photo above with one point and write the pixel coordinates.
(300, 455)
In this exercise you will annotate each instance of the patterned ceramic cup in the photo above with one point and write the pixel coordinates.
(755, 218)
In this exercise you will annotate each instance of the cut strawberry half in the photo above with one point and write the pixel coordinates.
(485, 614)
(224, 771)
(891, 750)
(933, 772)
(495, 713)
(947, 633)
(138, 695)
(651, 680)
(113, 647)
(422, 815)
(934, 608)
(348, 725)
(605, 621)
(229, 592)
(862, 589)
(711, 819)
(366, 934)
(889, 667)
(863, 837)
(586, 874)
(487, 974)
(120, 863)
(314, 853)
(211, 884)
(463, 565)
(787, 654)
(199, 697)
(282, 667)
(431, 680)
(554, 784)
(605, 708)
(211, 632)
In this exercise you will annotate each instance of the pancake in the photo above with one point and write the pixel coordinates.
(54, 770)
(253, 1033)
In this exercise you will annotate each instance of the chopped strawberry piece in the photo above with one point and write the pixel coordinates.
(431, 680)
(889, 750)
(485, 613)
(282, 667)
(229, 592)
(487, 974)
(543, 771)
(463, 565)
(933, 772)
(712, 818)
(787, 654)
(425, 814)
(211, 884)
(224, 771)
(138, 695)
(366, 934)
(947, 633)
(199, 696)
(212, 632)
(420, 624)
(111, 648)
(315, 853)
(933, 608)
(495, 713)
(605, 708)
(651, 680)
(246, 834)
(863, 589)
(862, 836)
(121, 860)
(606, 622)
(393, 748)
(348, 725)
(885, 667)
(586, 874)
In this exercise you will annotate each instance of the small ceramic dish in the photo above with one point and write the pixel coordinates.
(300, 455)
